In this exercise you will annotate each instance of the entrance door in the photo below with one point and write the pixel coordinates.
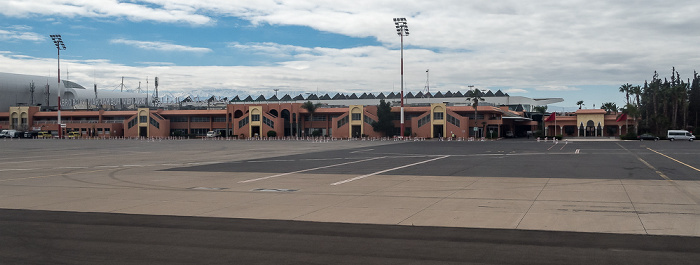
(437, 131)
(356, 131)
(255, 131)
(143, 131)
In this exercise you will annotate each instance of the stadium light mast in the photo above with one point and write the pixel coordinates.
(401, 30)
(59, 46)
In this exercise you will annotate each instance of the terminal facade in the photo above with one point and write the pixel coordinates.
(285, 119)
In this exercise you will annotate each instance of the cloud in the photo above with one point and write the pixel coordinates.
(19, 33)
(176, 12)
(515, 90)
(557, 88)
(159, 46)
(271, 49)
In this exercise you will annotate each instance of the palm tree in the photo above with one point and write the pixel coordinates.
(474, 96)
(627, 89)
(609, 107)
(311, 108)
(541, 110)
(580, 104)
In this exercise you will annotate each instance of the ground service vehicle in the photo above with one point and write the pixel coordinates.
(44, 134)
(680, 135)
(75, 135)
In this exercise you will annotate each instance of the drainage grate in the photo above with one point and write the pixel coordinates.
(207, 188)
(275, 190)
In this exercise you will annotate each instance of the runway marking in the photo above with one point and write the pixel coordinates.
(577, 151)
(676, 160)
(654, 169)
(387, 170)
(661, 174)
(364, 150)
(310, 169)
(562, 147)
(555, 144)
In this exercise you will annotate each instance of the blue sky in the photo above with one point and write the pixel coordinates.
(576, 50)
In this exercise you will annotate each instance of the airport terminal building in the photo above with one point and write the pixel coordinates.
(426, 115)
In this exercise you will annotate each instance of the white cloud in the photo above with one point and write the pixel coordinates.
(160, 46)
(549, 45)
(515, 90)
(557, 88)
(135, 11)
(19, 32)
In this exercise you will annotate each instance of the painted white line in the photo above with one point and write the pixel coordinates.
(562, 147)
(365, 150)
(310, 169)
(387, 170)
(18, 169)
(71, 167)
(552, 146)
(106, 166)
(577, 151)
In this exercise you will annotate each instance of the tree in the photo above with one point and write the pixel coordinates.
(609, 107)
(627, 89)
(311, 108)
(475, 96)
(580, 104)
(385, 122)
(541, 110)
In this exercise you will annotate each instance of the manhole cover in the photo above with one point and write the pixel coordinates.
(275, 190)
(207, 188)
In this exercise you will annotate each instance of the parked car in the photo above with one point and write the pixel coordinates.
(647, 136)
(680, 135)
(211, 134)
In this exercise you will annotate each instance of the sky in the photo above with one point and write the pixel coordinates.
(575, 50)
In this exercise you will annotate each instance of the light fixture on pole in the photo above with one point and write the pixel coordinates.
(59, 46)
(401, 30)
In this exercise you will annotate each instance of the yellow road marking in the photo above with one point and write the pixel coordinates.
(674, 159)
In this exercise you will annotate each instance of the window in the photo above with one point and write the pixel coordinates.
(200, 131)
(243, 122)
(255, 117)
(357, 116)
(132, 122)
(316, 118)
(438, 116)
(143, 119)
(199, 119)
(178, 119)
(219, 119)
(369, 120)
(155, 123)
(343, 121)
(453, 120)
(269, 122)
(424, 120)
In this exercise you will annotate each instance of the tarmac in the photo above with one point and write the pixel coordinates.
(610, 187)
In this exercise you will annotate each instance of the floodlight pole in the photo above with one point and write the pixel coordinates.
(59, 46)
(401, 30)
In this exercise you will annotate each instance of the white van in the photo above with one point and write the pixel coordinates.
(680, 135)
(9, 134)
